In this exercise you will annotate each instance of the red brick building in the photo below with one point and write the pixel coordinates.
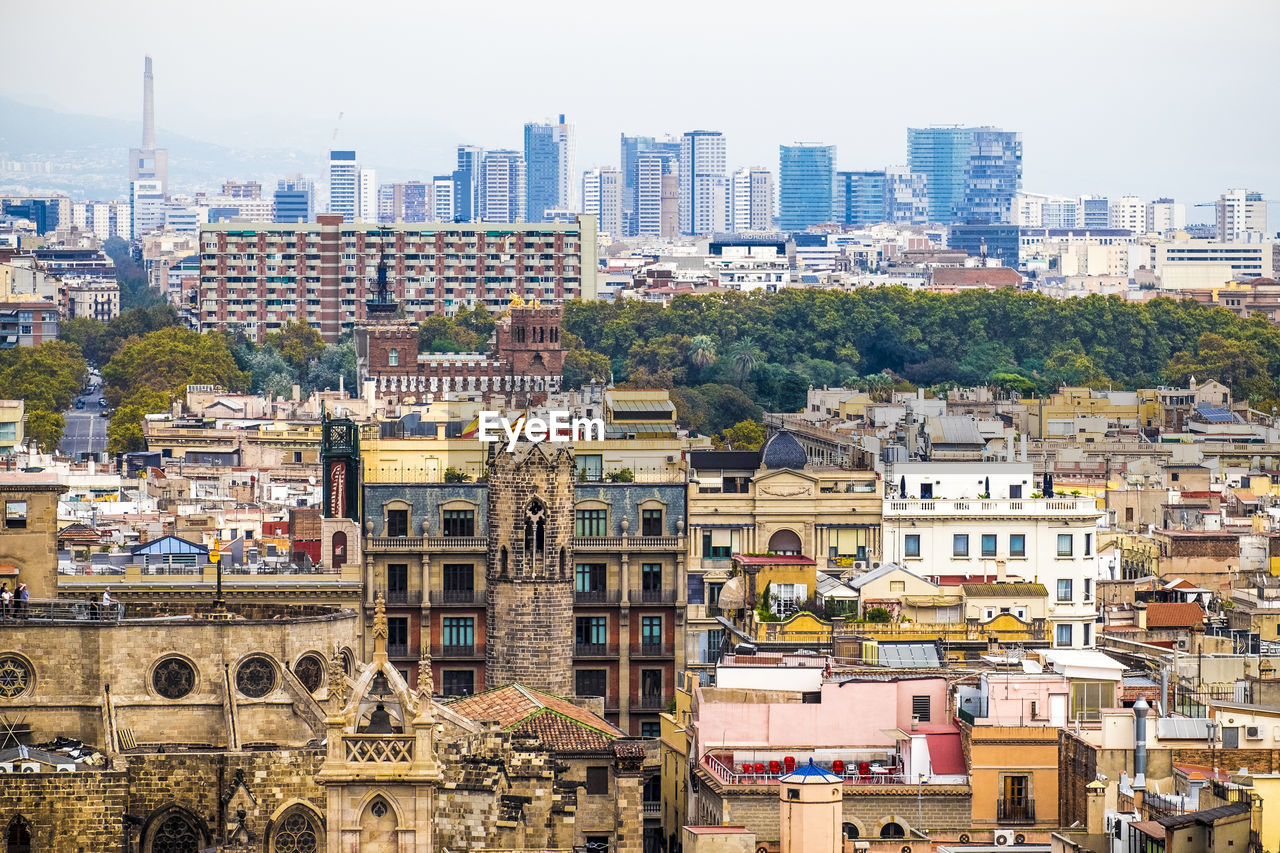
(527, 359)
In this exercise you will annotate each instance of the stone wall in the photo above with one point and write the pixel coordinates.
(80, 812)
(74, 663)
(529, 592)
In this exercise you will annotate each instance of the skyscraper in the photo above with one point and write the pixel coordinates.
(549, 157)
(807, 182)
(405, 202)
(367, 198)
(502, 186)
(442, 199)
(602, 195)
(702, 182)
(906, 196)
(295, 199)
(466, 183)
(657, 194)
(147, 201)
(631, 149)
(344, 184)
(993, 176)
(149, 162)
(860, 198)
(941, 155)
(750, 200)
(1242, 217)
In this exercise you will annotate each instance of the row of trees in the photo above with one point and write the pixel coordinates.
(47, 379)
(773, 346)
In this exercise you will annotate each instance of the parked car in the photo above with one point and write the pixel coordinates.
(102, 401)
(79, 404)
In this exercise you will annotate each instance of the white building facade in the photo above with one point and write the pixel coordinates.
(750, 199)
(983, 522)
(702, 182)
(602, 196)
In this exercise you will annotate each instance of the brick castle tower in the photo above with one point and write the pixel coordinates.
(529, 569)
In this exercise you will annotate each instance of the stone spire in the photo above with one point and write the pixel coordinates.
(425, 686)
(337, 682)
(379, 630)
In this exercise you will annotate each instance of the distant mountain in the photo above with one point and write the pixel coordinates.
(86, 156)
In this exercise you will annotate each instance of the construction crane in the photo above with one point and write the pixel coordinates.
(336, 124)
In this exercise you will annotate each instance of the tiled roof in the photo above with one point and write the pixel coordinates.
(559, 725)
(1174, 614)
(1000, 590)
(997, 276)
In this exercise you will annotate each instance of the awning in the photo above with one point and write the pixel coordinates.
(7, 569)
(733, 595)
(932, 600)
(721, 537)
(946, 754)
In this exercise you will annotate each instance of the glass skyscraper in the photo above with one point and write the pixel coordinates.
(807, 185)
(941, 154)
(702, 182)
(548, 156)
(973, 173)
(993, 176)
(860, 198)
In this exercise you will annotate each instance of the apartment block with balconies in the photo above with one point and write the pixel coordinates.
(425, 549)
(991, 523)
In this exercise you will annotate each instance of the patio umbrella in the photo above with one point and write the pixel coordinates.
(902, 487)
(987, 491)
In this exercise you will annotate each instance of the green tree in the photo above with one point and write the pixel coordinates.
(298, 343)
(45, 429)
(744, 435)
(743, 358)
(1238, 364)
(124, 431)
(47, 377)
(170, 359)
(453, 475)
(702, 351)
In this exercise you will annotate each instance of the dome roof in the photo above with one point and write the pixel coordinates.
(784, 451)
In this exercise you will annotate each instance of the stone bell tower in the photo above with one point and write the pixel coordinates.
(529, 568)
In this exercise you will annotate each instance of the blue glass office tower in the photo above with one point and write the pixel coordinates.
(860, 198)
(993, 176)
(548, 157)
(466, 183)
(295, 199)
(942, 155)
(806, 185)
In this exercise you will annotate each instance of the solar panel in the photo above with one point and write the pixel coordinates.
(1213, 414)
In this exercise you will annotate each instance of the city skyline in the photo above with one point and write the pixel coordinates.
(412, 132)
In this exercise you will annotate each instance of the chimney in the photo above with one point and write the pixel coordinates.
(1095, 807)
(1140, 709)
(148, 108)
(1023, 455)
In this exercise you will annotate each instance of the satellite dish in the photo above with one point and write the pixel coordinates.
(312, 479)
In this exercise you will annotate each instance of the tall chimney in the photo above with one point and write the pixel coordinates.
(1140, 709)
(148, 108)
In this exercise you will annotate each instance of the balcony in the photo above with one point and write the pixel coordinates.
(1014, 812)
(397, 650)
(650, 702)
(456, 543)
(652, 596)
(1080, 507)
(651, 808)
(457, 597)
(595, 650)
(767, 772)
(597, 596)
(397, 544)
(426, 544)
(651, 650)
(628, 543)
(457, 650)
(399, 596)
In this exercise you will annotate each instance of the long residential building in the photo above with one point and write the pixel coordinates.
(261, 276)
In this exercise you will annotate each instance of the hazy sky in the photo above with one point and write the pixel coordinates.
(1154, 98)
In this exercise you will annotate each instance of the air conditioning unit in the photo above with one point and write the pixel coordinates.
(1183, 643)
(1253, 732)
(875, 565)
(859, 564)
(1003, 839)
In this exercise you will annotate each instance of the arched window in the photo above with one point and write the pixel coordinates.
(535, 528)
(892, 830)
(850, 829)
(339, 549)
(174, 832)
(17, 837)
(504, 559)
(784, 542)
(393, 358)
(297, 832)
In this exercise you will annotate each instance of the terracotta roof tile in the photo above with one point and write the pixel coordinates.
(1174, 614)
(558, 724)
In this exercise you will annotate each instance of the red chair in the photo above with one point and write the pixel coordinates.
(837, 767)
(775, 767)
(789, 763)
(864, 768)
(746, 768)
(760, 768)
